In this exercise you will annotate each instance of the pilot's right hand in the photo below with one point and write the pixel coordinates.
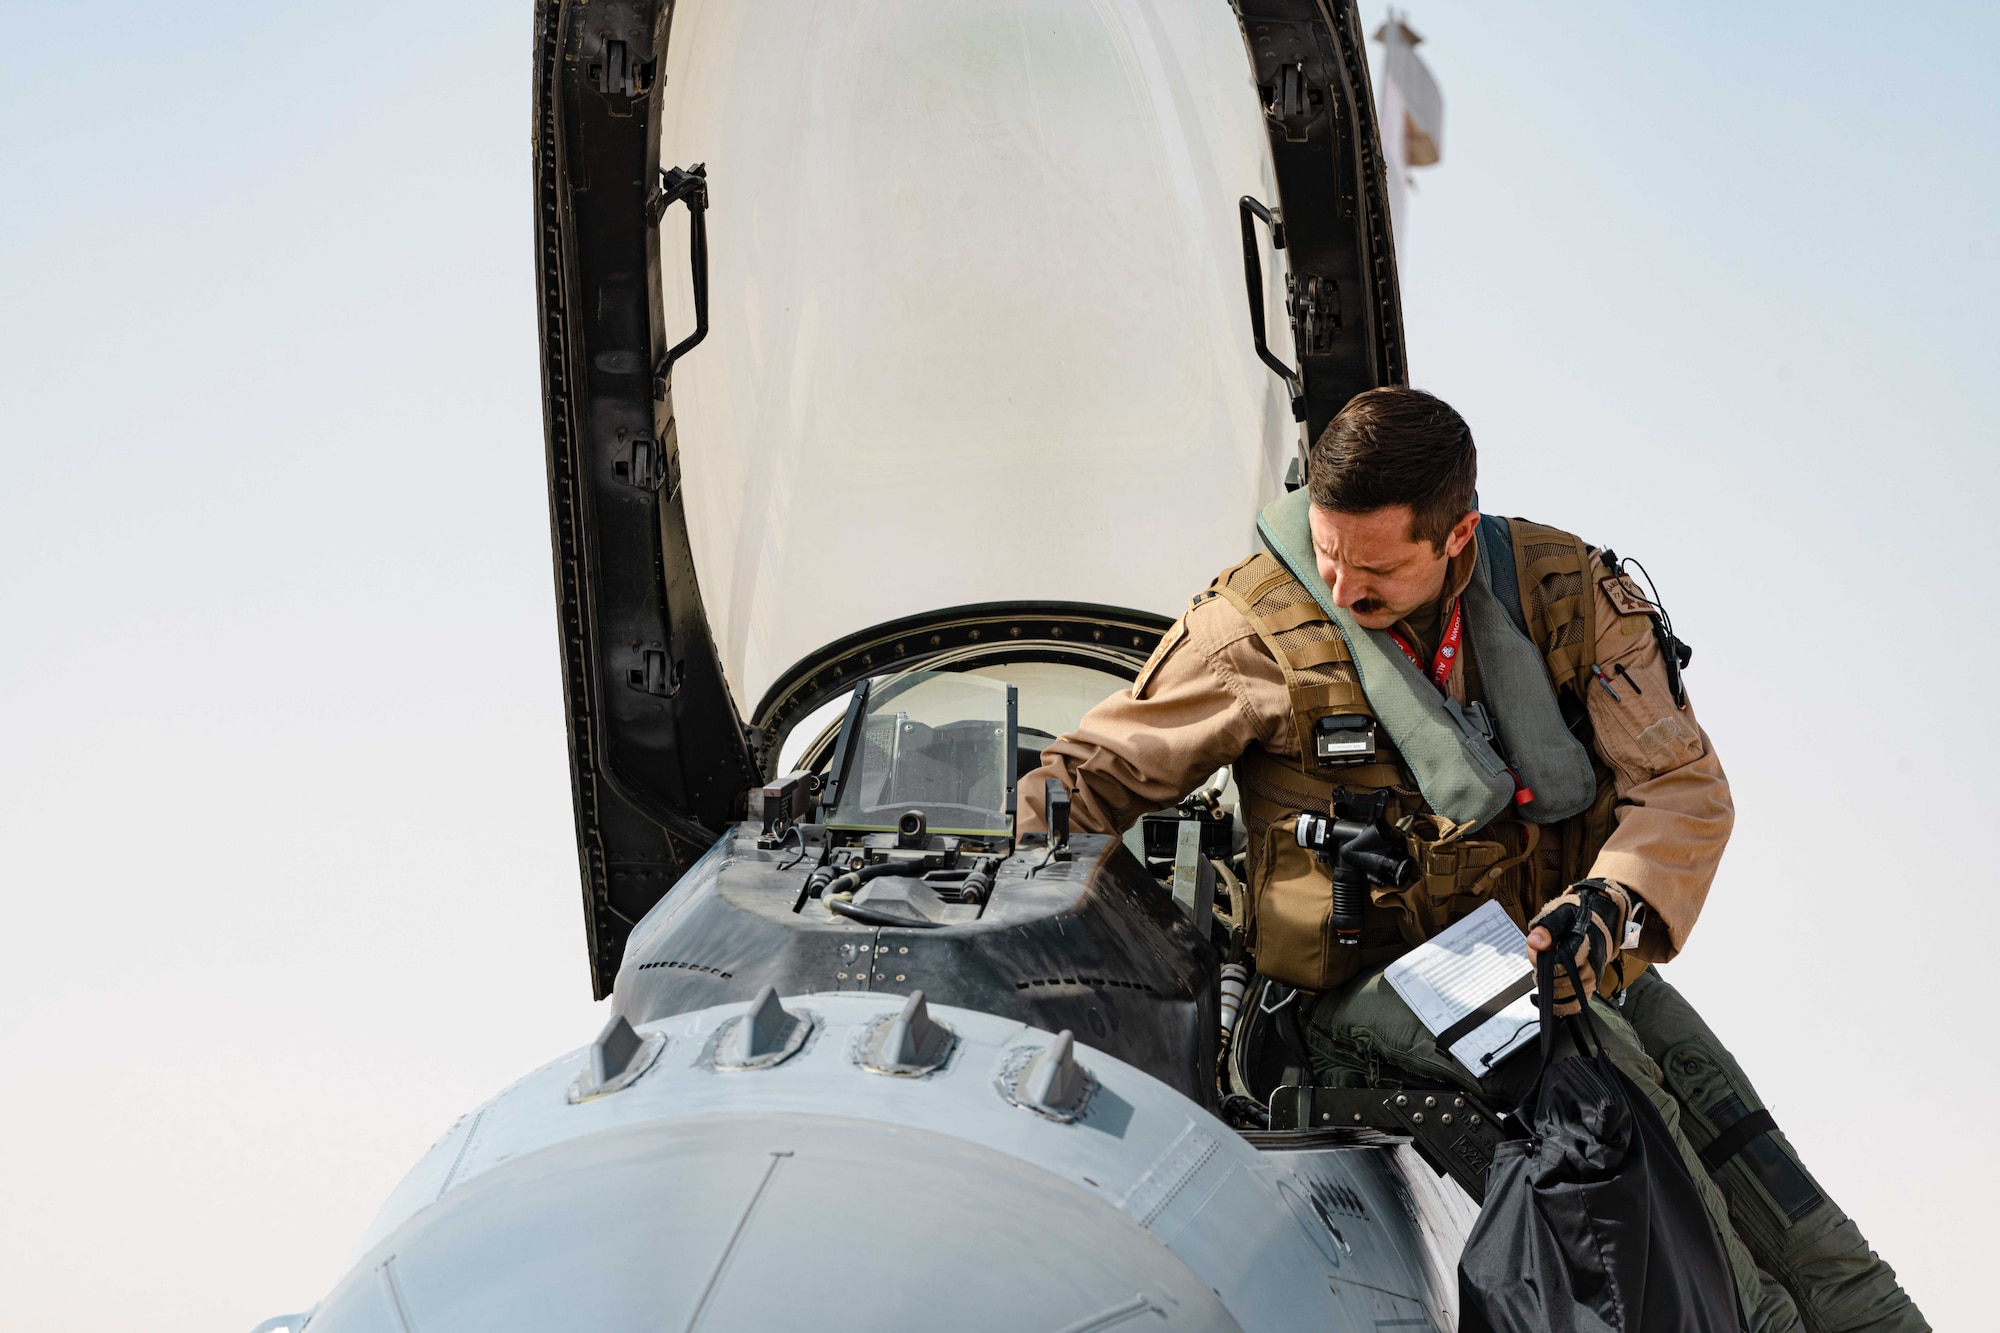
(1588, 923)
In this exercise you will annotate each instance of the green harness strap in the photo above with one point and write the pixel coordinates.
(1460, 774)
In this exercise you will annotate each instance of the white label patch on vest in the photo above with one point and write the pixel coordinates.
(1624, 598)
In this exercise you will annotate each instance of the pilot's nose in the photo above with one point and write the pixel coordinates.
(1346, 591)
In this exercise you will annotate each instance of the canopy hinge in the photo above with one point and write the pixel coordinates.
(1314, 304)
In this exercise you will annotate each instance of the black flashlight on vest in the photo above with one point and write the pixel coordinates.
(1361, 847)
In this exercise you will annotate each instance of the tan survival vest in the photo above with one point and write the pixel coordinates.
(1519, 863)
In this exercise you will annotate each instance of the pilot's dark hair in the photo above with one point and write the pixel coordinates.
(1397, 447)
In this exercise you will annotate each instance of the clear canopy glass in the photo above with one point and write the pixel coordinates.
(977, 320)
(936, 741)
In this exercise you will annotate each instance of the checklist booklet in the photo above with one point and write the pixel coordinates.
(1472, 986)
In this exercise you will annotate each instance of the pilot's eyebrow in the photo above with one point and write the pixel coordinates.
(1372, 569)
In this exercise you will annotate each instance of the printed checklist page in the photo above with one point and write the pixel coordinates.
(1474, 965)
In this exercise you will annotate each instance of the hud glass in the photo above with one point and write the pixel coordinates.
(937, 741)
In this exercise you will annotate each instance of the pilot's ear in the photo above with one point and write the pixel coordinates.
(1461, 533)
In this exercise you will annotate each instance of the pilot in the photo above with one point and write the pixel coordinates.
(1580, 789)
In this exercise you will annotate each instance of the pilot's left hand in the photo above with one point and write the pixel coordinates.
(1589, 917)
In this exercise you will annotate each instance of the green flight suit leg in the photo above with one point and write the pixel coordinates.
(1792, 1227)
(1363, 1035)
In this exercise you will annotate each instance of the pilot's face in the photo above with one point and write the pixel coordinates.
(1376, 569)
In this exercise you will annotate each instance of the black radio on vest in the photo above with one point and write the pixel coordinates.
(1363, 848)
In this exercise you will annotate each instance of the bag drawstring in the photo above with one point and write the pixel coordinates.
(1589, 1040)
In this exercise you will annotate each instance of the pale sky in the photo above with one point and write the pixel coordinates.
(287, 874)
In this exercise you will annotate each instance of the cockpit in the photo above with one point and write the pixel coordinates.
(885, 857)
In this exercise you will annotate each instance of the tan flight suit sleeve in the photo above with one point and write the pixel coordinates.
(1210, 692)
(1674, 811)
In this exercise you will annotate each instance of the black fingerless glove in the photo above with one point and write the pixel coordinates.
(1586, 924)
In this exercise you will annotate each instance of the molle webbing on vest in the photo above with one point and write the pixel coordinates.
(1319, 680)
(1319, 677)
(1553, 568)
(1269, 789)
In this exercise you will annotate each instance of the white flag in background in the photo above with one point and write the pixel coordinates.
(1411, 113)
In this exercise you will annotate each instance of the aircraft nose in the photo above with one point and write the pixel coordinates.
(767, 1222)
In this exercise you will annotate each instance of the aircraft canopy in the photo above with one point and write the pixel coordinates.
(978, 320)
